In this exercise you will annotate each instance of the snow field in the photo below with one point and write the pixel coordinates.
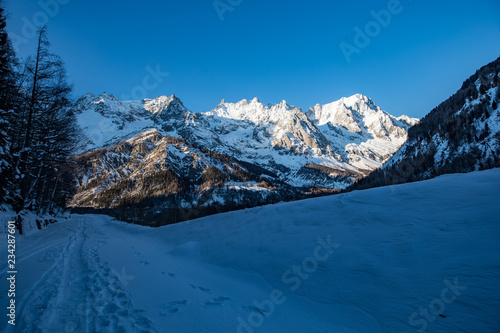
(419, 257)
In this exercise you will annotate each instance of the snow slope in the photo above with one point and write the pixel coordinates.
(408, 258)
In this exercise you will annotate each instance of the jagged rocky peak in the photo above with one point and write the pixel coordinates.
(242, 110)
(106, 97)
(161, 104)
(83, 102)
(104, 104)
(264, 134)
(355, 112)
(107, 101)
(408, 120)
(89, 98)
(243, 102)
(86, 98)
(283, 103)
(343, 111)
(254, 111)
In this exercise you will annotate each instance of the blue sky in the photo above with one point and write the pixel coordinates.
(273, 50)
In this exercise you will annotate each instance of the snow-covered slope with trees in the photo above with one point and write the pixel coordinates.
(408, 258)
(460, 135)
(156, 179)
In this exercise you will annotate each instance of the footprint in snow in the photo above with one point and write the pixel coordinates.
(217, 300)
(205, 290)
(172, 307)
(252, 308)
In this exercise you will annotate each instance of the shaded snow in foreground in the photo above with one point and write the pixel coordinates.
(396, 252)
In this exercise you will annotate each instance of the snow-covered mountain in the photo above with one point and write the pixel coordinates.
(158, 180)
(365, 135)
(154, 161)
(345, 139)
(105, 120)
(460, 135)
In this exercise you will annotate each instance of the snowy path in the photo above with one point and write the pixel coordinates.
(69, 286)
(77, 293)
(422, 257)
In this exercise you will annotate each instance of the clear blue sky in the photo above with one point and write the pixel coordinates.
(274, 50)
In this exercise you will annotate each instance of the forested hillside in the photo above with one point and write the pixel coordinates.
(462, 134)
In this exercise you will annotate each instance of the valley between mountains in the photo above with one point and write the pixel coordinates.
(156, 161)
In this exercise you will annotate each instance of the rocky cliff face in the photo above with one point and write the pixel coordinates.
(164, 179)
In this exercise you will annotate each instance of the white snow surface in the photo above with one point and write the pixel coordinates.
(399, 257)
(106, 121)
